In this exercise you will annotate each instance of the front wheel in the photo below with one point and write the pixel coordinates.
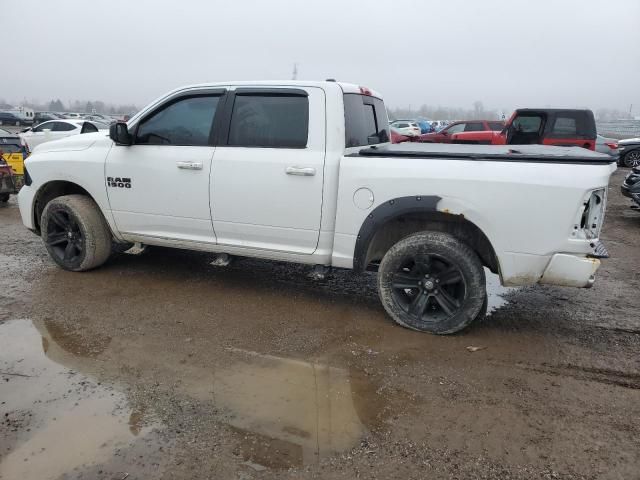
(75, 233)
(632, 159)
(432, 282)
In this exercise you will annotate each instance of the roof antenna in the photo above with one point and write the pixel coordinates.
(294, 76)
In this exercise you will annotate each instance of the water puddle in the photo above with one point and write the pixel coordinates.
(288, 412)
(55, 420)
(280, 412)
(496, 292)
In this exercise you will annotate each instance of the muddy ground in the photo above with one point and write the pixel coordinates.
(162, 366)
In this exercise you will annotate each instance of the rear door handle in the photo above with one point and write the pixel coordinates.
(189, 165)
(302, 171)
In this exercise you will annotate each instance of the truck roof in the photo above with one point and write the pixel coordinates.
(551, 110)
(346, 87)
(522, 153)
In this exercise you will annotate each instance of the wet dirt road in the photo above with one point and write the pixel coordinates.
(162, 366)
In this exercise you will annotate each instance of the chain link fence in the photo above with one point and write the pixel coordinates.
(619, 128)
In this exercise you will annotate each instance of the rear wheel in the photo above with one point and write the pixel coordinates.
(632, 159)
(75, 233)
(432, 282)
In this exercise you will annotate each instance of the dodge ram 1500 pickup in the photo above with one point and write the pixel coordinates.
(304, 172)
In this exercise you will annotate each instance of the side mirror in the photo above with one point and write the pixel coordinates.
(119, 133)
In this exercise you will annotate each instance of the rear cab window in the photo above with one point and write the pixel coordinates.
(366, 121)
(496, 126)
(572, 124)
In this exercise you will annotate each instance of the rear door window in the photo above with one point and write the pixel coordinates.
(458, 127)
(63, 127)
(88, 127)
(269, 120)
(474, 127)
(366, 121)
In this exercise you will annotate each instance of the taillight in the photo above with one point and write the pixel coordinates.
(611, 145)
(365, 91)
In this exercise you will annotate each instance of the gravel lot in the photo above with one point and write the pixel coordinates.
(162, 366)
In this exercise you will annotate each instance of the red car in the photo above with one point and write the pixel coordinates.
(397, 138)
(545, 126)
(444, 135)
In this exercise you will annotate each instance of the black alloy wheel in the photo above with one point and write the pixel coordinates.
(632, 159)
(64, 236)
(429, 288)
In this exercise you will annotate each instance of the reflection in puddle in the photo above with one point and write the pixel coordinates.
(495, 292)
(287, 412)
(57, 420)
(281, 412)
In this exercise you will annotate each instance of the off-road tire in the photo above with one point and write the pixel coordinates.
(89, 231)
(453, 255)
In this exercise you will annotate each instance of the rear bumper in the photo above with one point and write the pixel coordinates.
(570, 271)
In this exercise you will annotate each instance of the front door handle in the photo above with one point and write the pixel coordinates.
(303, 171)
(189, 165)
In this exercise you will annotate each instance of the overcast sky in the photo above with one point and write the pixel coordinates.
(505, 53)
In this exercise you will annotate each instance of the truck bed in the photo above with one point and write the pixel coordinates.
(500, 153)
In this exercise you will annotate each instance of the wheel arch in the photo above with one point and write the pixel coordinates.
(400, 217)
(51, 190)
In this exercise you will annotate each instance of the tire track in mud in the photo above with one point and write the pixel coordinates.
(580, 372)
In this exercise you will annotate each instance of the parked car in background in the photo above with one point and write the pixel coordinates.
(439, 124)
(10, 118)
(72, 115)
(397, 137)
(545, 126)
(607, 145)
(629, 151)
(408, 128)
(631, 186)
(56, 129)
(445, 135)
(98, 117)
(425, 126)
(40, 117)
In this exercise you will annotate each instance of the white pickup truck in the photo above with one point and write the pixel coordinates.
(304, 172)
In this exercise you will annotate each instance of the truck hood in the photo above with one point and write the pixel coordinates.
(72, 143)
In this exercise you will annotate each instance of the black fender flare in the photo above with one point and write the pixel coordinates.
(382, 214)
